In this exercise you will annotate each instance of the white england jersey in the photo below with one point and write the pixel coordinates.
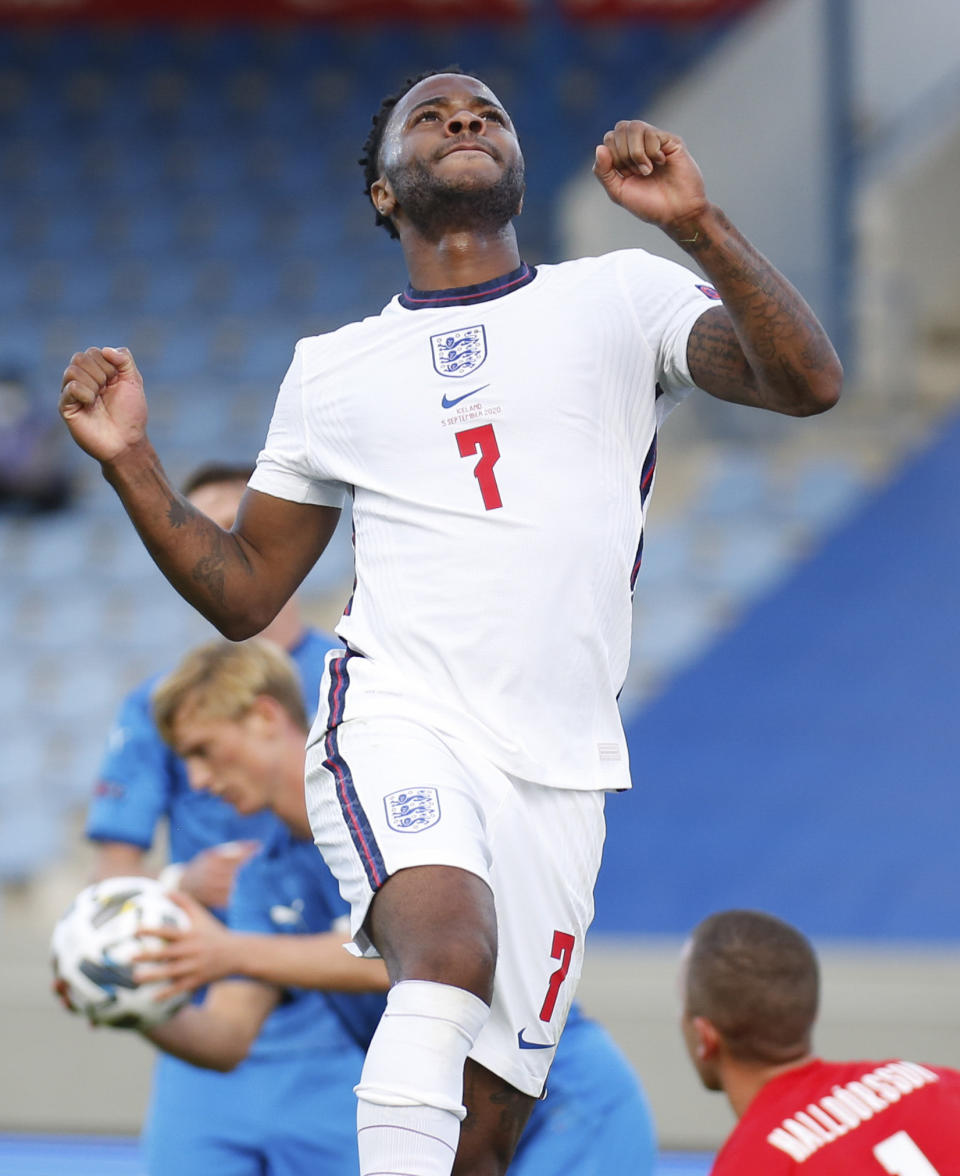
(499, 442)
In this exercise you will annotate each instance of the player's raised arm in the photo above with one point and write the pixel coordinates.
(764, 346)
(239, 579)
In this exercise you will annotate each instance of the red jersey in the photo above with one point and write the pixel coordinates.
(849, 1119)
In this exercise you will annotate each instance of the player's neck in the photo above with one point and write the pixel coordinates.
(742, 1083)
(459, 258)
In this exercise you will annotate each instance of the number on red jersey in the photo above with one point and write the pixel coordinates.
(900, 1156)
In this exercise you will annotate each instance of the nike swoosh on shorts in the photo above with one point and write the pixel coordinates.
(532, 1044)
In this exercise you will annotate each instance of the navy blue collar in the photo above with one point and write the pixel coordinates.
(413, 299)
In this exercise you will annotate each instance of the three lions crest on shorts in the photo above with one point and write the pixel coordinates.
(458, 353)
(412, 809)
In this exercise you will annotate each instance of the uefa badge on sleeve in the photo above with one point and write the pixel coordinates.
(458, 353)
(412, 810)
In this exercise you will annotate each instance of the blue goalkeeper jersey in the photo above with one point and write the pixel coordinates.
(142, 782)
(288, 1109)
(286, 889)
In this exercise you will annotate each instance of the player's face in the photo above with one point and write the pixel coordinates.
(219, 500)
(450, 157)
(227, 758)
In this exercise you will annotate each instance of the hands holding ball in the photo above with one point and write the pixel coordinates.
(96, 943)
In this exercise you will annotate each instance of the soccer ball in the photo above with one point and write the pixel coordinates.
(93, 945)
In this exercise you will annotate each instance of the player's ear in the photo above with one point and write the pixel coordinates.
(706, 1039)
(265, 714)
(382, 197)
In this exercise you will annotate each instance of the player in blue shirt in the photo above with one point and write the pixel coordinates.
(290, 1053)
(248, 747)
(141, 782)
(194, 1115)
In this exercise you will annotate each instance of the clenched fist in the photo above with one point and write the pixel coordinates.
(102, 401)
(650, 173)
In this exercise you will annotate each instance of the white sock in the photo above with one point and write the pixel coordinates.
(410, 1094)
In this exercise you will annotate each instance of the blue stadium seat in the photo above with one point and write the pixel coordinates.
(748, 557)
(151, 228)
(31, 837)
(14, 285)
(735, 483)
(56, 548)
(825, 491)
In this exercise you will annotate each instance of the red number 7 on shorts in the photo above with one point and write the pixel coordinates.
(562, 951)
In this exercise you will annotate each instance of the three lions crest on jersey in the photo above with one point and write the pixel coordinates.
(459, 353)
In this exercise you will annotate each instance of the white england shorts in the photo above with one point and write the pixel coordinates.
(385, 794)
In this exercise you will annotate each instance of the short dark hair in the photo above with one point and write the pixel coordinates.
(215, 472)
(370, 159)
(756, 979)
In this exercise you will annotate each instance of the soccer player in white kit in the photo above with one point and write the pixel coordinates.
(496, 428)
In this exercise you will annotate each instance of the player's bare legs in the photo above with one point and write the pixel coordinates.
(437, 923)
(436, 928)
(496, 1116)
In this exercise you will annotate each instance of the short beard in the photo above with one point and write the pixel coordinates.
(436, 208)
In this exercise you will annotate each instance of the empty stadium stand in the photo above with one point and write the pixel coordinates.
(806, 764)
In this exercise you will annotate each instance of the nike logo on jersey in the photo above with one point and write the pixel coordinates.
(288, 916)
(456, 400)
(524, 1044)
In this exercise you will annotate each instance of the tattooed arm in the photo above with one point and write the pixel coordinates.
(239, 579)
(764, 346)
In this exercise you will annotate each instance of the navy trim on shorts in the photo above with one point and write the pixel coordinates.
(361, 832)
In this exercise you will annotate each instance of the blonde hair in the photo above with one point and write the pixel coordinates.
(222, 679)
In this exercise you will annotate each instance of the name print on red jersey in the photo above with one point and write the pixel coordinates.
(846, 1107)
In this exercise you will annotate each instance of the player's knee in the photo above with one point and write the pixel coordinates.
(463, 961)
(440, 925)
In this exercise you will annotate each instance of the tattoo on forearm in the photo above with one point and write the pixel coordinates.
(177, 513)
(766, 346)
(209, 571)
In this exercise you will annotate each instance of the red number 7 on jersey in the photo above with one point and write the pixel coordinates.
(484, 440)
